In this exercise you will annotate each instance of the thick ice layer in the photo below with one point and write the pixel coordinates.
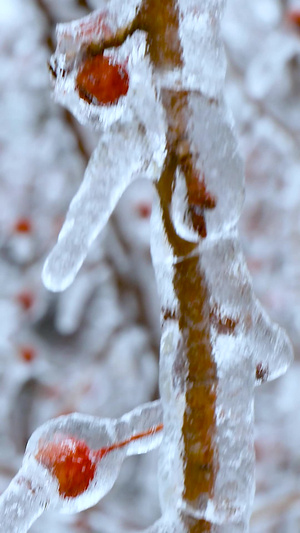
(203, 54)
(219, 168)
(131, 57)
(110, 170)
(132, 146)
(196, 255)
(26, 498)
(248, 349)
(172, 388)
(71, 462)
(100, 24)
(232, 295)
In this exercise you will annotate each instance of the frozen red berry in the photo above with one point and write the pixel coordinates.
(101, 81)
(71, 462)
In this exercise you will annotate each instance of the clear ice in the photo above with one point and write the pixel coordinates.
(246, 348)
(98, 448)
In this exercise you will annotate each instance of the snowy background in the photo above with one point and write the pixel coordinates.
(94, 348)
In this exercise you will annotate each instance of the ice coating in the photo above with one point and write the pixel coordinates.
(245, 348)
(112, 166)
(233, 298)
(110, 171)
(138, 115)
(198, 34)
(25, 499)
(130, 56)
(71, 462)
(173, 127)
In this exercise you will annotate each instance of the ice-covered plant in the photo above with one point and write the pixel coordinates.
(149, 75)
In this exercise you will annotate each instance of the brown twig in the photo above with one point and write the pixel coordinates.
(200, 462)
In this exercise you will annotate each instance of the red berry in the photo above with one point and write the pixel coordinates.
(25, 299)
(102, 81)
(71, 462)
(27, 353)
(294, 16)
(23, 225)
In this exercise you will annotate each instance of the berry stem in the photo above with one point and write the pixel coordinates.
(103, 451)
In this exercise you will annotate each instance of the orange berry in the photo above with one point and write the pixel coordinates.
(294, 16)
(23, 225)
(71, 462)
(25, 299)
(99, 79)
(27, 353)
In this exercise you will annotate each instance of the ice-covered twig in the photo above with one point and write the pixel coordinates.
(25, 499)
(71, 462)
(217, 342)
(131, 147)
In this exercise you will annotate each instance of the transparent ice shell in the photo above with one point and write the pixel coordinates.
(109, 441)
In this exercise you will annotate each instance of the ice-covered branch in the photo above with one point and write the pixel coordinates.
(71, 462)
(131, 145)
(25, 499)
(150, 75)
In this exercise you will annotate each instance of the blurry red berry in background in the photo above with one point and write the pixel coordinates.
(27, 353)
(23, 225)
(99, 79)
(294, 16)
(25, 299)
